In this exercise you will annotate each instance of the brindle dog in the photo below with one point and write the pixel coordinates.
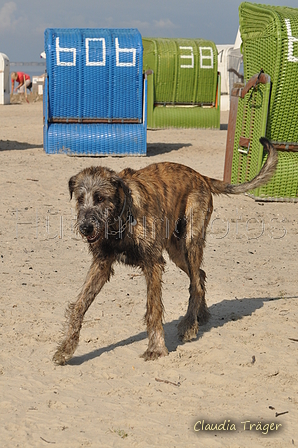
(131, 217)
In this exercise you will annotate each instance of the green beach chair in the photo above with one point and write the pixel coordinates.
(270, 45)
(184, 85)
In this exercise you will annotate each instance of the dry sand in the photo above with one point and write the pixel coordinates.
(243, 365)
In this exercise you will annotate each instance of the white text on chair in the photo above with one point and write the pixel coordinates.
(292, 39)
(102, 61)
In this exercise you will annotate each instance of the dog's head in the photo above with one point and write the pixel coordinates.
(100, 195)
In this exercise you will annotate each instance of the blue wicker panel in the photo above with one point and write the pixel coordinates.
(94, 73)
(96, 139)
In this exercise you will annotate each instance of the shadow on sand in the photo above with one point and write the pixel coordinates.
(10, 145)
(221, 313)
(154, 149)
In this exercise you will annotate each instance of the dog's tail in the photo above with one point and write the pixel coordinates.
(267, 171)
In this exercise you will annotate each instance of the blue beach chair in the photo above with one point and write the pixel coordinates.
(95, 98)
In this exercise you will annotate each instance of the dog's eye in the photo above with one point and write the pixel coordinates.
(97, 199)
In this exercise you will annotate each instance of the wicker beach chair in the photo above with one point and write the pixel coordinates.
(184, 86)
(95, 92)
(267, 105)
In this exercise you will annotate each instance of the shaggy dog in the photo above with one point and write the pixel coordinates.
(132, 217)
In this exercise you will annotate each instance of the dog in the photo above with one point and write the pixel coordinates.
(132, 217)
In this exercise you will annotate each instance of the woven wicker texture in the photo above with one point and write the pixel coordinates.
(247, 162)
(92, 139)
(270, 42)
(251, 124)
(96, 94)
(85, 77)
(284, 184)
(182, 92)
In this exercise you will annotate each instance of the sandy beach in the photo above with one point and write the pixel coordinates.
(242, 367)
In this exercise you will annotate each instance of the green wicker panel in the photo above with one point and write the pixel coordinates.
(284, 184)
(185, 117)
(270, 41)
(251, 124)
(185, 70)
(159, 116)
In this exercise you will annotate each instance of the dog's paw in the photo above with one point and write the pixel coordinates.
(187, 331)
(65, 350)
(61, 357)
(151, 355)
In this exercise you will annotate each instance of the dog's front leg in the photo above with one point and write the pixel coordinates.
(154, 313)
(99, 273)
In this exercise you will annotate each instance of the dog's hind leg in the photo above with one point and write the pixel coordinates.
(177, 256)
(203, 313)
(194, 245)
(97, 276)
(197, 308)
(154, 312)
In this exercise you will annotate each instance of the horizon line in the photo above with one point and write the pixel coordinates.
(43, 63)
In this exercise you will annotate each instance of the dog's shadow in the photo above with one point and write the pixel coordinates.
(8, 145)
(162, 148)
(220, 314)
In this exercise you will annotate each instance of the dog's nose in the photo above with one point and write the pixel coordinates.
(86, 229)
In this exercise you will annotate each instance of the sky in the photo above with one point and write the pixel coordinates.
(22, 22)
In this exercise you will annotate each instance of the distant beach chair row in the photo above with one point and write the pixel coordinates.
(103, 90)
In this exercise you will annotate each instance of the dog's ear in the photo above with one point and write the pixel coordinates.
(119, 183)
(71, 185)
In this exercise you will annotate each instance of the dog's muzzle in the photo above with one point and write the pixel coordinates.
(90, 231)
